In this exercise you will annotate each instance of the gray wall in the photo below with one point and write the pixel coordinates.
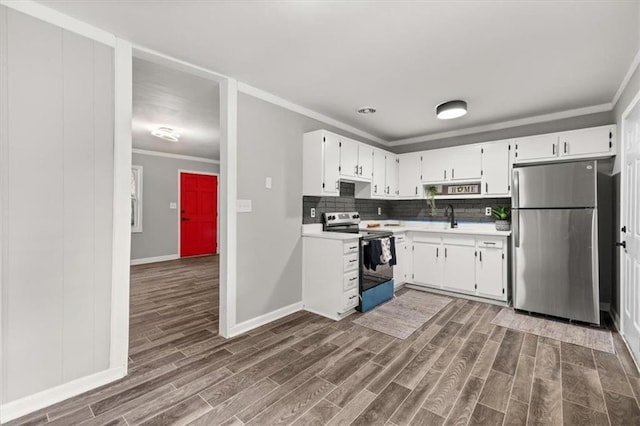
(57, 148)
(572, 123)
(269, 244)
(159, 236)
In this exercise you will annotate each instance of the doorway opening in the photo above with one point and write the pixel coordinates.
(174, 280)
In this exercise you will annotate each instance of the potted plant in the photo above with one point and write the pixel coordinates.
(502, 218)
(432, 191)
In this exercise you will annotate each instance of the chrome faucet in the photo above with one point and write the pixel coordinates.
(449, 214)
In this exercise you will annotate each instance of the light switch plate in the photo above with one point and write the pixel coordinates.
(173, 206)
(267, 183)
(379, 211)
(313, 212)
(487, 211)
(243, 206)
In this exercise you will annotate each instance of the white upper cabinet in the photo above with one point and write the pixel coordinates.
(496, 168)
(409, 170)
(391, 175)
(320, 164)
(349, 158)
(379, 171)
(434, 165)
(536, 148)
(587, 142)
(465, 162)
(365, 161)
(462, 163)
(574, 144)
(356, 159)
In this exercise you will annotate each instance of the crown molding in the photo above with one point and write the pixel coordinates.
(176, 156)
(52, 16)
(271, 98)
(505, 124)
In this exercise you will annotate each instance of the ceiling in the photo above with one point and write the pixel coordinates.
(164, 97)
(508, 59)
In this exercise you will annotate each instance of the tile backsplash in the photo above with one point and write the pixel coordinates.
(466, 210)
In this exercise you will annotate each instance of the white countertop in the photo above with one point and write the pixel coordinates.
(315, 230)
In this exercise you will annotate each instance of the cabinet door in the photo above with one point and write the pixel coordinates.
(365, 161)
(409, 166)
(435, 165)
(331, 163)
(427, 264)
(459, 268)
(378, 182)
(495, 169)
(399, 270)
(536, 148)
(391, 175)
(465, 163)
(348, 158)
(586, 142)
(489, 273)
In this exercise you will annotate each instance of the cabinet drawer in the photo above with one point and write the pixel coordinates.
(350, 280)
(399, 239)
(455, 240)
(349, 299)
(427, 238)
(351, 247)
(490, 242)
(351, 262)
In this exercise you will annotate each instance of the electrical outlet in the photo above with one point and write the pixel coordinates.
(487, 211)
(313, 212)
(379, 211)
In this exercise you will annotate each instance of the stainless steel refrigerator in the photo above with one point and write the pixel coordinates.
(555, 240)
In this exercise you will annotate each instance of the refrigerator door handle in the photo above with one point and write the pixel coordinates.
(516, 228)
(516, 189)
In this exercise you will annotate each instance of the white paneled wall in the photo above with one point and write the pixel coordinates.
(57, 230)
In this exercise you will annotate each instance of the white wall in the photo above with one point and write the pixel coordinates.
(57, 205)
(159, 236)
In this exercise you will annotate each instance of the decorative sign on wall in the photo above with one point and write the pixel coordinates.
(465, 189)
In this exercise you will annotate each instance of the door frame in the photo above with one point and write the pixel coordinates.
(227, 184)
(180, 171)
(635, 102)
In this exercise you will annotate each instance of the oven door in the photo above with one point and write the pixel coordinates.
(374, 275)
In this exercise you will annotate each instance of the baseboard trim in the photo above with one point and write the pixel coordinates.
(146, 260)
(23, 406)
(256, 322)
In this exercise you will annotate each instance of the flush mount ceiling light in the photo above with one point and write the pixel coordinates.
(166, 133)
(366, 110)
(451, 109)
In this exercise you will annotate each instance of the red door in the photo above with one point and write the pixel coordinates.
(198, 214)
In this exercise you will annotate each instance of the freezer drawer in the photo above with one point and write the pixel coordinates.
(555, 263)
(562, 185)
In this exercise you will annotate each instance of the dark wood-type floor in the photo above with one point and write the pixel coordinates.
(304, 369)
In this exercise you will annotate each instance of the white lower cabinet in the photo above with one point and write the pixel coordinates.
(458, 265)
(401, 268)
(330, 276)
(491, 268)
(475, 265)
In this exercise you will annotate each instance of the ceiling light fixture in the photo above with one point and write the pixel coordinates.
(451, 109)
(366, 110)
(166, 133)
